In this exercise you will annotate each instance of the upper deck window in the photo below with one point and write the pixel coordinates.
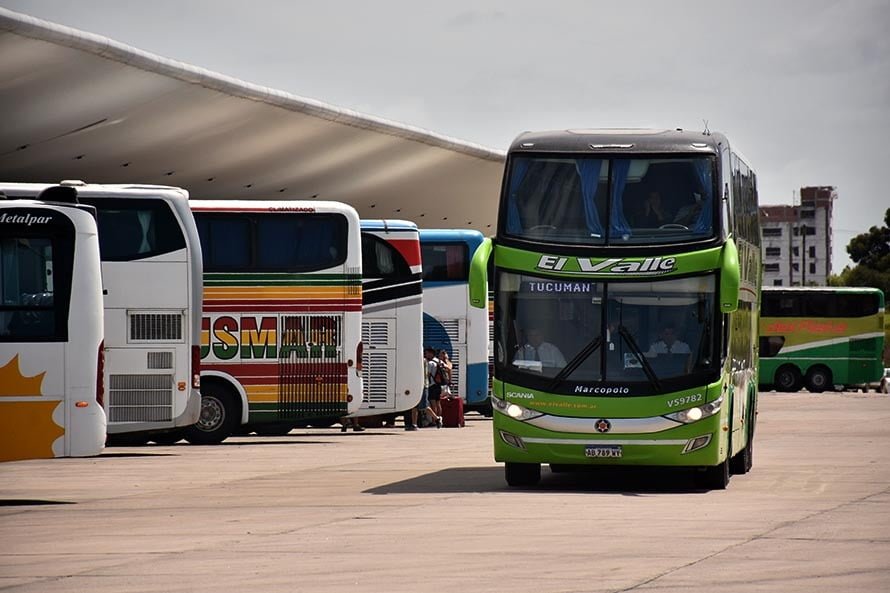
(620, 201)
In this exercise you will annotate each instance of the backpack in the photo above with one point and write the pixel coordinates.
(442, 376)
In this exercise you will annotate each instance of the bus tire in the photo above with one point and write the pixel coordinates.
(742, 461)
(714, 478)
(788, 379)
(219, 415)
(522, 474)
(818, 379)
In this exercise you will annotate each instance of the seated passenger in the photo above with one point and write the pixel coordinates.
(652, 213)
(688, 214)
(668, 344)
(536, 349)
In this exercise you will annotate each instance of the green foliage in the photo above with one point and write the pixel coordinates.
(871, 253)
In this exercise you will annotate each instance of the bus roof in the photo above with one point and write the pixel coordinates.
(470, 237)
(387, 225)
(14, 189)
(302, 206)
(614, 141)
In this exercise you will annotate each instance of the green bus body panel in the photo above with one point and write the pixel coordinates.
(850, 347)
(729, 278)
(478, 280)
(608, 267)
(662, 448)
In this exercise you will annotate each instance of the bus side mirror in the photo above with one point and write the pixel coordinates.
(729, 277)
(479, 275)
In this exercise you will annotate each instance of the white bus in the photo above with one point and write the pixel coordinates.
(449, 322)
(281, 332)
(392, 317)
(51, 331)
(151, 267)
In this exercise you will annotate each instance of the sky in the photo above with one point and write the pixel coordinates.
(802, 88)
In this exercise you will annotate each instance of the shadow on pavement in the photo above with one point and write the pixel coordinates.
(25, 502)
(621, 481)
(106, 454)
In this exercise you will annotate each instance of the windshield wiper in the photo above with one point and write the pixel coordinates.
(573, 364)
(635, 349)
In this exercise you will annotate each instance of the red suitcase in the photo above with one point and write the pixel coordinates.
(452, 412)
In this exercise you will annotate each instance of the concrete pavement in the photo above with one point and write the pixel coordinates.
(389, 510)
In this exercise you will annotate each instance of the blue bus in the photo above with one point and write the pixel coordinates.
(449, 322)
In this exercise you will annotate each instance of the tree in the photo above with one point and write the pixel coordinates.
(871, 253)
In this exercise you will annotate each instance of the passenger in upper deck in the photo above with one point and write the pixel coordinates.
(688, 214)
(652, 213)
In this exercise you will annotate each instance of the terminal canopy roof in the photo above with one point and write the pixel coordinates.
(81, 106)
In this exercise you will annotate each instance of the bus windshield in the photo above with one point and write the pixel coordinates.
(135, 228)
(558, 334)
(603, 201)
(35, 284)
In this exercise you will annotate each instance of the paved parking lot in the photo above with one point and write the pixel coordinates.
(389, 510)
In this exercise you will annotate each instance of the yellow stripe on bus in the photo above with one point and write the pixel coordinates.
(260, 394)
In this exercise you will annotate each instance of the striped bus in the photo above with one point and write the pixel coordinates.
(821, 337)
(281, 331)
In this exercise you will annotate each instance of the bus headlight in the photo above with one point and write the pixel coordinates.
(514, 411)
(696, 413)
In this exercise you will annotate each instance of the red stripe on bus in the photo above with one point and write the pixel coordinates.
(267, 369)
(409, 248)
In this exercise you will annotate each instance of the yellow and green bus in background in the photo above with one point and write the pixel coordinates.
(821, 337)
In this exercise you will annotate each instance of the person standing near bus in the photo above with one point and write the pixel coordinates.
(446, 369)
(432, 391)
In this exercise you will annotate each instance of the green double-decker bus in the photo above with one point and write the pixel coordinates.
(821, 337)
(626, 281)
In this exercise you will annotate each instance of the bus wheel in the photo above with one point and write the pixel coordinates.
(818, 379)
(522, 474)
(714, 478)
(788, 379)
(742, 461)
(217, 417)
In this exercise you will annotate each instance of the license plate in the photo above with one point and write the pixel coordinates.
(603, 451)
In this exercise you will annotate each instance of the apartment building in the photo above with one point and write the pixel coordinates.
(797, 239)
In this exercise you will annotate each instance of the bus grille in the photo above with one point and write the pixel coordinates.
(140, 398)
(160, 360)
(375, 334)
(311, 369)
(154, 327)
(375, 372)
